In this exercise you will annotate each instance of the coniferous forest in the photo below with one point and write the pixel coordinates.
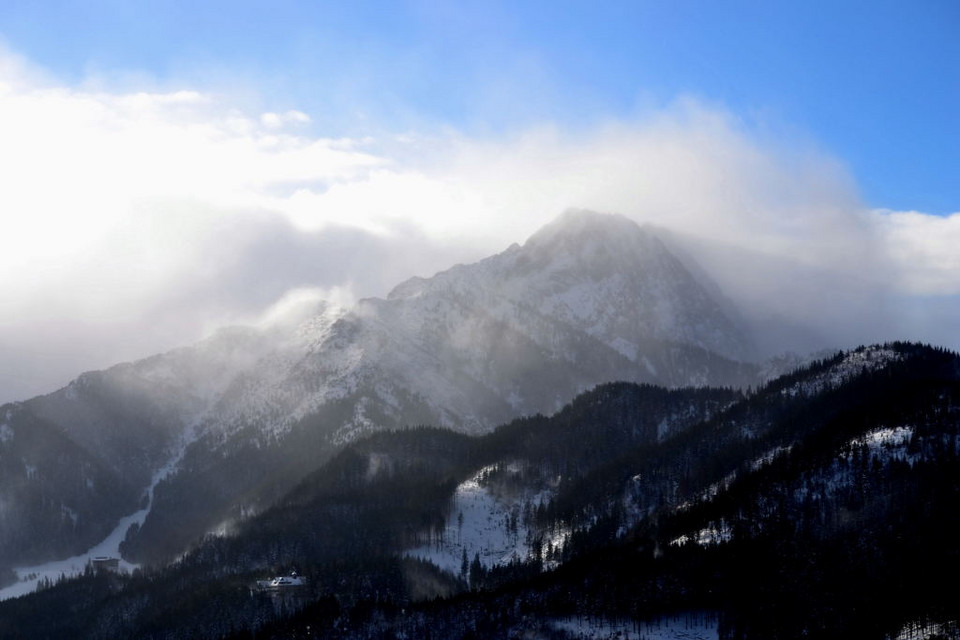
(823, 504)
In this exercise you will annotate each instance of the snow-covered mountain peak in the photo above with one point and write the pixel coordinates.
(579, 229)
(597, 244)
(601, 274)
(589, 299)
(410, 288)
(579, 245)
(587, 246)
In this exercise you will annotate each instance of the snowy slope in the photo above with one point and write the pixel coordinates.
(851, 364)
(691, 626)
(30, 576)
(599, 274)
(488, 527)
(588, 299)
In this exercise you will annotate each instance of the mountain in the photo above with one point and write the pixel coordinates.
(203, 436)
(822, 504)
(588, 299)
(93, 447)
(55, 497)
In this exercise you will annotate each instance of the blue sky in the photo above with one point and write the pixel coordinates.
(876, 83)
(171, 167)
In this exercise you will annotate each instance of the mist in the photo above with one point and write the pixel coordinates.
(139, 222)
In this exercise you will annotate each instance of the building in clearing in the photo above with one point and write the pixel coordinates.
(282, 582)
(105, 563)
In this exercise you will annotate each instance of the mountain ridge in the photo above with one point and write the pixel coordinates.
(788, 511)
(588, 299)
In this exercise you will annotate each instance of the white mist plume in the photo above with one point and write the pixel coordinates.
(136, 222)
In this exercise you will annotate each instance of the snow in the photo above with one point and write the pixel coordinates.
(884, 443)
(714, 533)
(429, 345)
(67, 512)
(694, 626)
(485, 529)
(716, 488)
(886, 438)
(768, 457)
(663, 429)
(6, 433)
(852, 364)
(30, 577)
(430, 341)
(928, 630)
(649, 365)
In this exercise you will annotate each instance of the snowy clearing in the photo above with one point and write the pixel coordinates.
(694, 626)
(481, 525)
(853, 362)
(928, 630)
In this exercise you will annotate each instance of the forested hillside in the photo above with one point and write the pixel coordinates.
(821, 505)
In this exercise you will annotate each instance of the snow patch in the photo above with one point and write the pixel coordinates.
(68, 514)
(629, 350)
(927, 630)
(6, 433)
(852, 364)
(694, 626)
(714, 533)
(768, 457)
(485, 526)
(886, 438)
(885, 443)
(649, 365)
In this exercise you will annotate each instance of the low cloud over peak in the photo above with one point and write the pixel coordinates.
(139, 221)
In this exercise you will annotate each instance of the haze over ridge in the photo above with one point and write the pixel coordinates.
(160, 185)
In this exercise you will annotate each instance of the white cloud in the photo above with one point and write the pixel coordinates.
(76, 164)
(273, 120)
(299, 304)
(924, 249)
(136, 221)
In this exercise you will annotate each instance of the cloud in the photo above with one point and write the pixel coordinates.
(77, 164)
(924, 249)
(776, 221)
(139, 221)
(272, 120)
